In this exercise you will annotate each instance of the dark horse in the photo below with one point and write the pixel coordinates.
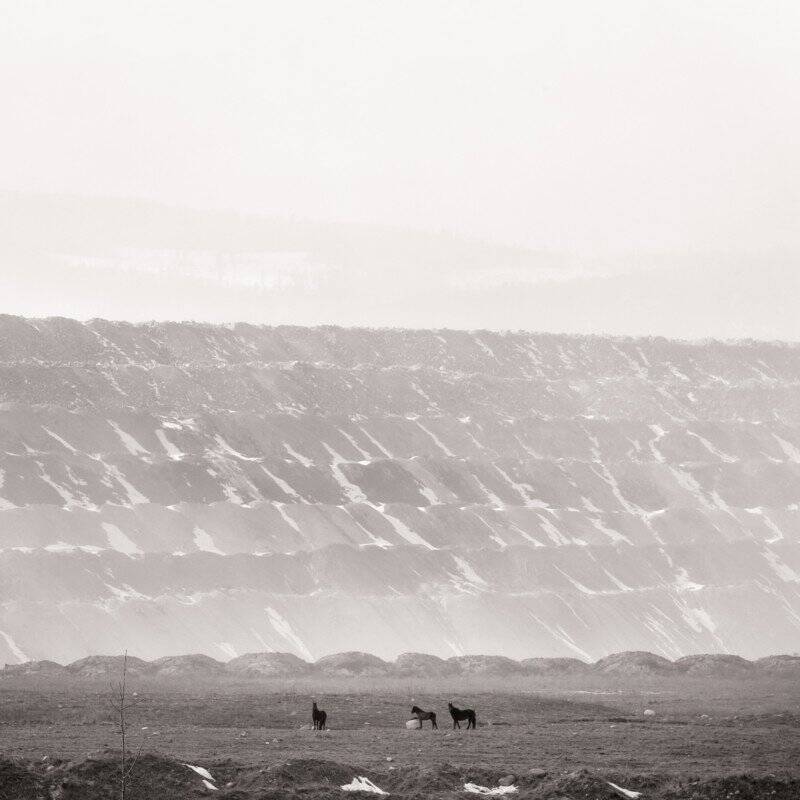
(423, 715)
(319, 718)
(462, 713)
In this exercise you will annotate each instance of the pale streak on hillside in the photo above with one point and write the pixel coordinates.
(394, 490)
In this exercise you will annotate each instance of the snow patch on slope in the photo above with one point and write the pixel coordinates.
(282, 626)
(204, 542)
(118, 541)
(12, 646)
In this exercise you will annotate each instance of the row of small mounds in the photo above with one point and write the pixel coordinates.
(97, 778)
(287, 665)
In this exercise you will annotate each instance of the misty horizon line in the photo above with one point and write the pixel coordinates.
(445, 232)
(617, 337)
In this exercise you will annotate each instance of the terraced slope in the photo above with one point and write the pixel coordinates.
(183, 488)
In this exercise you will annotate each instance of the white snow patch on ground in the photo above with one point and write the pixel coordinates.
(282, 626)
(134, 495)
(436, 440)
(4, 504)
(306, 462)
(659, 434)
(131, 445)
(483, 346)
(579, 586)
(231, 451)
(281, 483)
(589, 505)
(699, 619)
(351, 491)
(375, 541)
(61, 547)
(285, 515)
(490, 495)
(715, 451)
(554, 533)
(782, 570)
(688, 482)
(677, 373)
(759, 511)
(232, 494)
(118, 541)
(375, 442)
(204, 542)
(521, 489)
(402, 530)
(684, 584)
(12, 646)
(629, 793)
(632, 362)
(562, 637)
(64, 493)
(617, 582)
(455, 647)
(615, 536)
(126, 592)
(169, 448)
(428, 494)
(606, 475)
(227, 648)
(354, 443)
(472, 577)
(60, 440)
(789, 450)
(201, 771)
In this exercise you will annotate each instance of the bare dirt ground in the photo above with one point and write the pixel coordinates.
(707, 739)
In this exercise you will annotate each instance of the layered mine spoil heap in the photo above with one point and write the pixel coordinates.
(185, 488)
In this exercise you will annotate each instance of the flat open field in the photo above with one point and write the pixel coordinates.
(707, 738)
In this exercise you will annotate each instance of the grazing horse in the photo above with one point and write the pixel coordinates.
(423, 715)
(462, 713)
(318, 717)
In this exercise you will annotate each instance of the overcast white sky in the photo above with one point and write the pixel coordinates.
(612, 125)
(578, 127)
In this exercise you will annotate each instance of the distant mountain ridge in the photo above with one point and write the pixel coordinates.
(183, 487)
(419, 665)
(136, 260)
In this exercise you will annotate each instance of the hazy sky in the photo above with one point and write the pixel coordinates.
(586, 127)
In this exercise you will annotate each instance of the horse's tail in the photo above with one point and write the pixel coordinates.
(472, 718)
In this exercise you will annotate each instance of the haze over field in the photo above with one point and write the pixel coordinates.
(139, 261)
(623, 167)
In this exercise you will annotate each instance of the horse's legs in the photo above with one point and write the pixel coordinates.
(433, 721)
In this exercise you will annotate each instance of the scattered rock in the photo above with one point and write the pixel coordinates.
(507, 780)
(648, 712)
(537, 772)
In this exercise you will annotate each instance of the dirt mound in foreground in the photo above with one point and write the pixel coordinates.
(17, 782)
(424, 665)
(153, 776)
(635, 662)
(352, 663)
(319, 779)
(715, 664)
(268, 664)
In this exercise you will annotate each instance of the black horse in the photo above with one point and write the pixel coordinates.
(423, 715)
(460, 714)
(319, 717)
